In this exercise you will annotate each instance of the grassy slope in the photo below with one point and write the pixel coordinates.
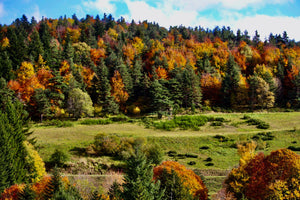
(285, 128)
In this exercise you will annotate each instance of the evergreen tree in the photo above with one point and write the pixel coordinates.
(138, 180)
(161, 102)
(230, 82)
(5, 65)
(35, 47)
(41, 104)
(44, 32)
(192, 91)
(12, 136)
(173, 186)
(100, 90)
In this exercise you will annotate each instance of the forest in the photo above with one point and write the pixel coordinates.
(95, 72)
(55, 65)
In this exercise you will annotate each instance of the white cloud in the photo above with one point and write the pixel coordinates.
(2, 11)
(36, 13)
(105, 6)
(164, 14)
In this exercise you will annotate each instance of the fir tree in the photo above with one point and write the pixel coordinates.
(35, 46)
(138, 180)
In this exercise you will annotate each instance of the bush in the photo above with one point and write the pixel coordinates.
(209, 159)
(188, 155)
(217, 123)
(172, 153)
(58, 123)
(96, 121)
(263, 136)
(59, 158)
(204, 147)
(167, 125)
(119, 118)
(191, 163)
(259, 123)
(221, 138)
(209, 164)
(294, 148)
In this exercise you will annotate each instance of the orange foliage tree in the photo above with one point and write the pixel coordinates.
(190, 180)
(118, 90)
(275, 176)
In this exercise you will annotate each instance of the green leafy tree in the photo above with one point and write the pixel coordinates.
(79, 103)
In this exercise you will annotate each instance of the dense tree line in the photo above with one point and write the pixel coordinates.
(119, 66)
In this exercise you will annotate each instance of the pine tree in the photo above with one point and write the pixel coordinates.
(138, 180)
(13, 133)
(161, 102)
(5, 65)
(173, 186)
(35, 46)
(231, 81)
(192, 91)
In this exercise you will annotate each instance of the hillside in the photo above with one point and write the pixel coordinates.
(141, 67)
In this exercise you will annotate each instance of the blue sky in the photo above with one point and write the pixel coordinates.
(263, 15)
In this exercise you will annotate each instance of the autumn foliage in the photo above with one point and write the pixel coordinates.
(275, 176)
(192, 181)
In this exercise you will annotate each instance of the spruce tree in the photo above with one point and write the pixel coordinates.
(230, 82)
(138, 179)
(35, 46)
(13, 152)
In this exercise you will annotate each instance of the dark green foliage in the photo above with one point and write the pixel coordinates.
(191, 163)
(259, 123)
(5, 65)
(58, 123)
(230, 81)
(293, 148)
(59, 158)
(138, 179)
(182, 122)
(204, 147)
(209, 164)
(161, 103)
(172, 153)
(13, 131)
(221, 138)
(119, 118)
(96, 121)
(263, 136)
(154, 153)
(35, 47)
(209, 159)
(41, 106)
(173, 187)
(27, 193)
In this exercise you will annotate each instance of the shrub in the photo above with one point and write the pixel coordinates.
(191, 163)
(106, 144)
(96, 121)
(119, 118)
(59, 158)
(217, 123)
(204, 147)
(172, 153)
(188, 155)
(263, 136)
(209, 164)
(294, 148)
(209, 159)
(259, 123)
(221, 138)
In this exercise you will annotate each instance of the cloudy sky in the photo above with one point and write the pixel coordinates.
(265, 16)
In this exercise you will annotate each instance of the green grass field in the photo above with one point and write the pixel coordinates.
(212, 153)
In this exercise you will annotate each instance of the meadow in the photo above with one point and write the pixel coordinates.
(211, 151)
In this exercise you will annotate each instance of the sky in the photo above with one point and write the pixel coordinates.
(265, 16)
